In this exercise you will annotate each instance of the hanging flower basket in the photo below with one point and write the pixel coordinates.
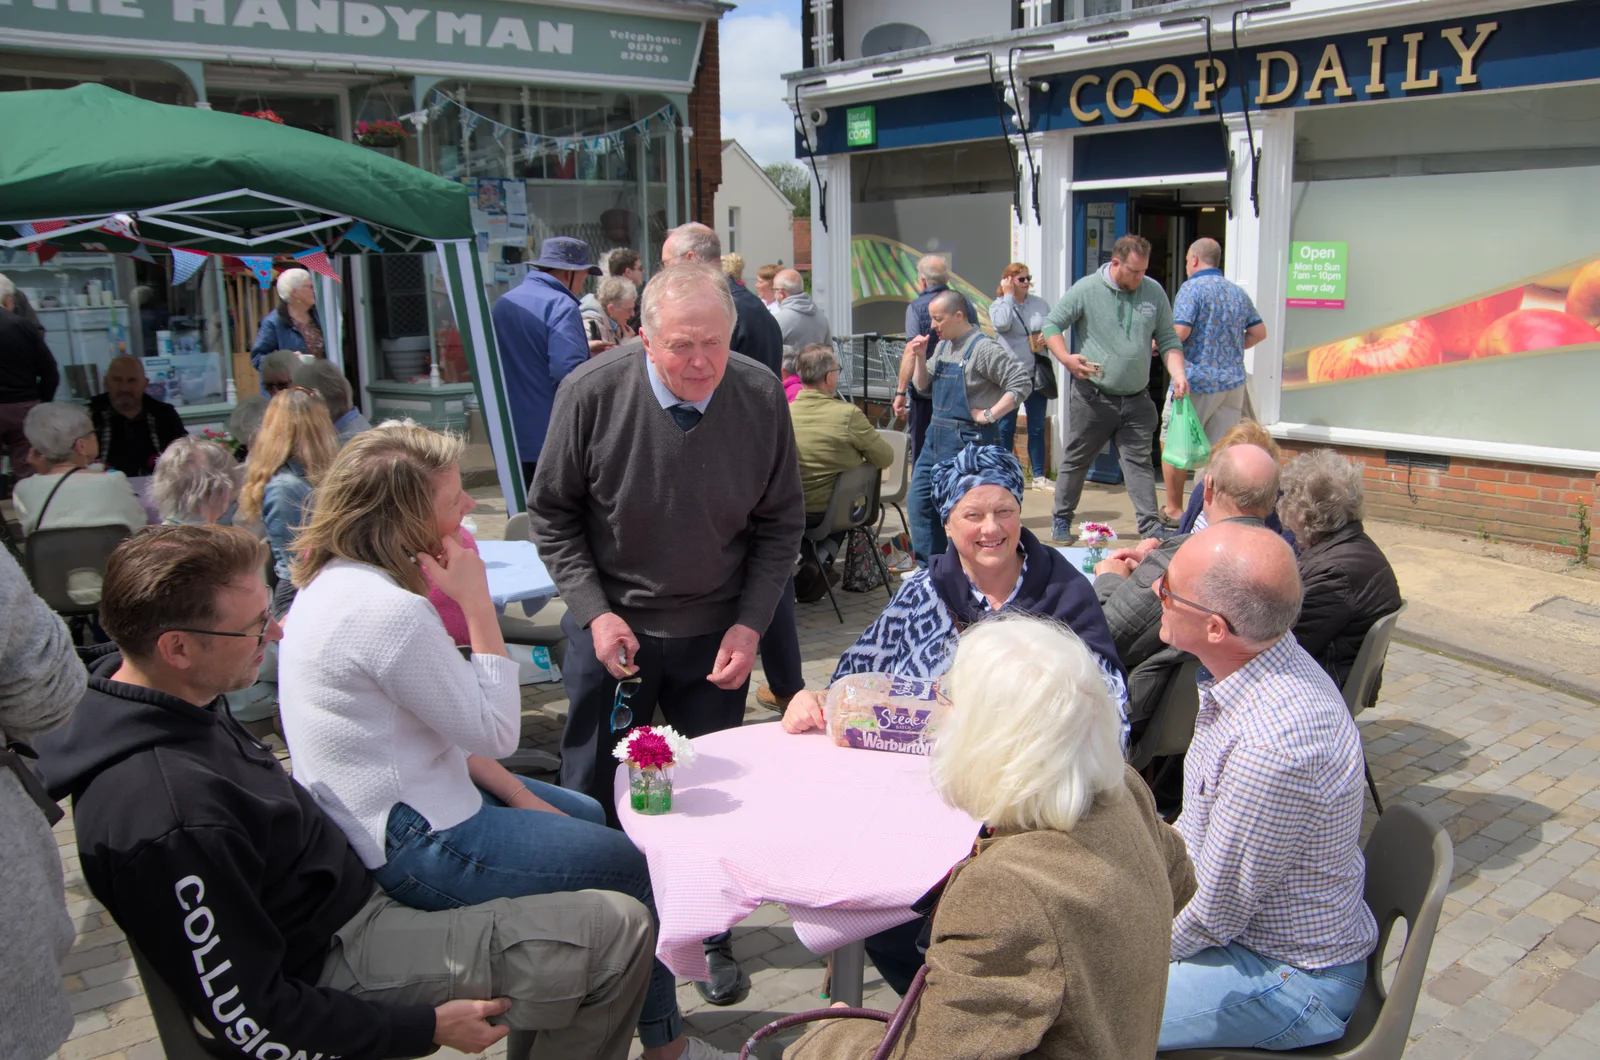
(381, 133)
(650, 754)
(264, 115)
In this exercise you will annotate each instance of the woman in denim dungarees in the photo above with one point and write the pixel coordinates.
(955, 423)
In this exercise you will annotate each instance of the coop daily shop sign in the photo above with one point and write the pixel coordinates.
(1551, 44)
(447, 37)
(1316, 275)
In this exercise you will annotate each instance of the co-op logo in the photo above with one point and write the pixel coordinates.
(1166, 78)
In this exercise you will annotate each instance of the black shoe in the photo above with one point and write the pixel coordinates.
(728, 984)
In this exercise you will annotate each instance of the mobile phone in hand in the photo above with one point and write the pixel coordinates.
(1096, 369)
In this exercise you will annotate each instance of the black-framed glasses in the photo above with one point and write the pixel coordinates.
(259, 636)
(1167, 596)
(1024, 279)
(621, 708)
(275, 388)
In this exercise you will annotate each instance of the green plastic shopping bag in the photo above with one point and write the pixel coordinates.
(1186, 446)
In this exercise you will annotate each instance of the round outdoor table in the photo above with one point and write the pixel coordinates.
(846, 840)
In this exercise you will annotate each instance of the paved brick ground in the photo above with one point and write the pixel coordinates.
(1512, 769)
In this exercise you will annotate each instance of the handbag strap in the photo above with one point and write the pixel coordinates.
(11, 758)
(52, 496)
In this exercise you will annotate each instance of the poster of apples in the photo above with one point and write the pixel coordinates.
(1558, 310)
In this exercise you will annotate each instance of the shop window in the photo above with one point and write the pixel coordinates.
(539, 162)
(1471, 271)
(952, 199)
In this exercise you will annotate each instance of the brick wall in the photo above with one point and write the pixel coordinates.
(705, 117)
(1545, 507)
(802, 244)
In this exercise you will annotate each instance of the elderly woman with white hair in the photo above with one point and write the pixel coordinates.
(294, 325)
(71, 490)
(1052, 938)
(1348, 582)
(195, 482)
(606, 312)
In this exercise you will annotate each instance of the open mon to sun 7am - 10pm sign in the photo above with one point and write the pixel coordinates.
(1317, 275)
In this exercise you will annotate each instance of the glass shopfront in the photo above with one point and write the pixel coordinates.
(1472, 287)
(950, 199)
(540, 162)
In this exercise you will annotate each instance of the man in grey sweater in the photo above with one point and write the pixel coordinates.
(667, 507)
(1119, 312)
(42, 681)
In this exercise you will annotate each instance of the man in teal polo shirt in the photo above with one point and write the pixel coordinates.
(1121, 315)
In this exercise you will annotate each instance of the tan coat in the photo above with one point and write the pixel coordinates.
(1046, 944)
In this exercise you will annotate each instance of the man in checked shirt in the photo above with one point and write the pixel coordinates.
(1270, 953)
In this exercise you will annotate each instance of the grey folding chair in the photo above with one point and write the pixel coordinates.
(852, 509)
(52, 559)
(896, 477)
(1409, 861)
(1361, 686)
(1171, 724)
(175, 1027)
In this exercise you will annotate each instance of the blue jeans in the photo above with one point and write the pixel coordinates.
(500, 852)
(1036, 407)
(1230, 997)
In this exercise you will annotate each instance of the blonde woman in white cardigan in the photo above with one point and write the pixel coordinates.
(395, 732)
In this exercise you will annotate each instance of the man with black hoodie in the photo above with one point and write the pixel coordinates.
(247, 899)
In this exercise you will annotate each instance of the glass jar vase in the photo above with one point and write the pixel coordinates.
(1096, 554)
(650, 789)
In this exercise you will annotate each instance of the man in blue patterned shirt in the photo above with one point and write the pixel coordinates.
(1271, 951)
(1216, 321)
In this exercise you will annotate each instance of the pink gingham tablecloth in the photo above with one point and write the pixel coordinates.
(845, 839)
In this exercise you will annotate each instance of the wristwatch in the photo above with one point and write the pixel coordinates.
(988, 415)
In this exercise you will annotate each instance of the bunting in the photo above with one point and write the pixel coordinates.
(185, 263)
(361, 236)
(316, 259)
(535, 144)
(261, 266)
(120, 224)
(142, 252)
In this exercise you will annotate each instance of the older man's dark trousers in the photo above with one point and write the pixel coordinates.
(780, 647)
(674, 671)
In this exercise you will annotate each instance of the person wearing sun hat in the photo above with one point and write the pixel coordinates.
(538, 328)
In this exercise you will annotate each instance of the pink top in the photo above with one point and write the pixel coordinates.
(455, 619)
(791, 387)
(845, 839)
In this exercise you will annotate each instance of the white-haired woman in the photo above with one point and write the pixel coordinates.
(294, 326)
(1052, 939)
(195, 482)
(1348, 582)
(68, 492)
(607, 311)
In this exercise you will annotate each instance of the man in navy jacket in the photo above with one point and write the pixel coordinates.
(539, 329)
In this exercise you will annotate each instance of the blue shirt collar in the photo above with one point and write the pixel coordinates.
(667, 398)
(1206, 272)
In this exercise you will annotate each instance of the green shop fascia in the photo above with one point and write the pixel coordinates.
(565, 119)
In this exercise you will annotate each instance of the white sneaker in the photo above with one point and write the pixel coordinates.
(697, 1049)
(1043, 485)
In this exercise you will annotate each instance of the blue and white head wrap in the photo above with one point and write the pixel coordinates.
(976, 465)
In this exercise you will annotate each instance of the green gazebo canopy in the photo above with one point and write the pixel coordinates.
(189, 176)
(78, 166)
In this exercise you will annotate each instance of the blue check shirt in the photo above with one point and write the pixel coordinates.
(1217, 312)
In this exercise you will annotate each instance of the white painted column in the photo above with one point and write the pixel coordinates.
(830, 248)
(1053, 270)
(1257, 252)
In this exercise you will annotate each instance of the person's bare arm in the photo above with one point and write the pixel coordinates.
(504, 785)
(1254, 334)
(1183, 331)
